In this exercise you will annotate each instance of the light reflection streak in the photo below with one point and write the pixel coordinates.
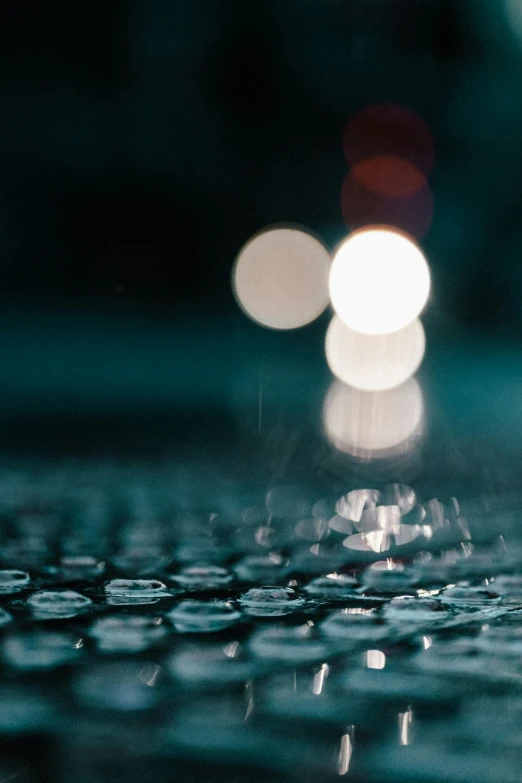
(405, 721)
(319, 678)
(345, 752)
(374, 659)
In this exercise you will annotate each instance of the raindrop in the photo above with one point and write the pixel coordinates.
(126, 633)
(41, 650)
(12, 581)
(203, 577)
(55, 604)
(193, 616)
(296, 645)
(270, 601)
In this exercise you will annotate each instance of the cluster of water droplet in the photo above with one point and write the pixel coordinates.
(294, 621)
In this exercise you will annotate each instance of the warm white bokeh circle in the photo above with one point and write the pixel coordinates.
(374, 425)
(280, 278)
(374, 362)
(379, 281)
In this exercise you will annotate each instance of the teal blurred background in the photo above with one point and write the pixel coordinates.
(142, 143)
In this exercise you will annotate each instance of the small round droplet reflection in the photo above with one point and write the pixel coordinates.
(280, 278)
(374, 362)
(193, 616)
(379, 281)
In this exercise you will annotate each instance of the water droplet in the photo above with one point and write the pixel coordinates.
(127, 633)
(470, 596)
(421, 611)
(193, 616)
(212, 665)
(203, 577)
(141, 561)
(262, 568)
(12, 581)
(135, 590)
(81, 567)
(270, 601)
(387, 581)
(5, 618)
(127, 687)
(297, 645)
(56, 604)
(354, 626)
(332, 587)
(41, 650)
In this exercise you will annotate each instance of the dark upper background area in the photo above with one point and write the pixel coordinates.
(143, 141)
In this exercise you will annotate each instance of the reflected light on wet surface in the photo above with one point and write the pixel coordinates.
(379, 281)
(374, 362)
(345, 753)
(405, 721)
(374, 425)
(374, 659)
(319, 678)
(280, 278)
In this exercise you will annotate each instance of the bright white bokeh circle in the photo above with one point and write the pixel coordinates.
(374, 362)
(379, 281)
(374, 425)
(280, 278)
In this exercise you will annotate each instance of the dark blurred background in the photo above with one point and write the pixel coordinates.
(142, 143)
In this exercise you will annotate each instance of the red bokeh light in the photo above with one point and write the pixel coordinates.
(390, 131)
(368, 200)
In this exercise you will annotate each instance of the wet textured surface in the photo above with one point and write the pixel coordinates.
(253, 638)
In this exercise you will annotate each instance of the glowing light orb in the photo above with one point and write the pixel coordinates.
(374, 425)
(280, 278)
(374, 362)
(379, 281)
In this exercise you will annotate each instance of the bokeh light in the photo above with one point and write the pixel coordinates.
(374, 362)
(374, 425)
(387, 191)
(280, 278)
(386, 129)
(379, 281)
